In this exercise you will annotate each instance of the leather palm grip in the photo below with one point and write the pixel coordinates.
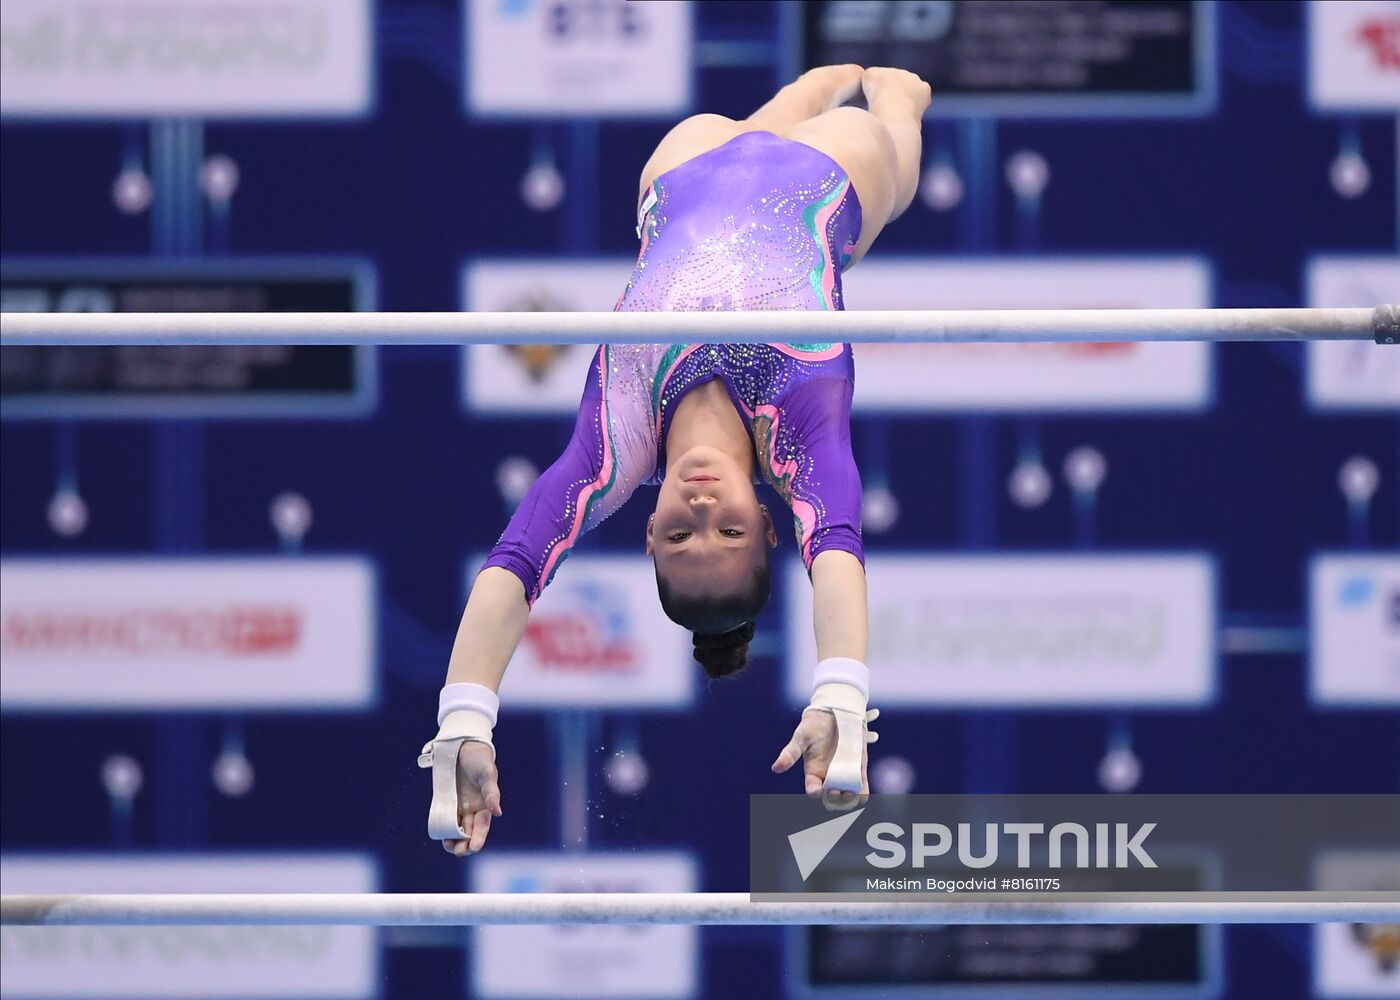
(848, 705)
(440, 754)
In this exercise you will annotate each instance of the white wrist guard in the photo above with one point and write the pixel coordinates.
(473, 697)
(843, 670)
(466, 714)
(842, 688)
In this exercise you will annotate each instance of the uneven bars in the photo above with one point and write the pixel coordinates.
(705, 908)
(1381, 324)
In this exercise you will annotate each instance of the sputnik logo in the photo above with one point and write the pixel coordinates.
(811, 846)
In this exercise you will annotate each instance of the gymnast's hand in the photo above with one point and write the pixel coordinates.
(814, 743)
(478, 797)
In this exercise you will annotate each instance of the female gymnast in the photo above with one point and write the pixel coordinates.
(763, 213)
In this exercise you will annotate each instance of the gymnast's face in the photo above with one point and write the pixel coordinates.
(709, 530)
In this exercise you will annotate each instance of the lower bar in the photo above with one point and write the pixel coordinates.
(481, 909)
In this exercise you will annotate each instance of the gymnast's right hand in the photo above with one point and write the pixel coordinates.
(462, 757)
(478, 798)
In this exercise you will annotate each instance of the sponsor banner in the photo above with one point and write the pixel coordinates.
(1027, 631)
(231, 380)
(532, 58)
(1354, 55)
(1007, 961)
(1356, 629)
(1353, 374)
(1077, 59)
(1358, 960)
(1013, 377)
(226, 962)
(591, 961)
(534, 379)
(185, 633)
(204, 58)
(597, 638)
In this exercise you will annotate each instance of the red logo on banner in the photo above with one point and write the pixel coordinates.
(237, 631)
(1382, 37)
(579, 642)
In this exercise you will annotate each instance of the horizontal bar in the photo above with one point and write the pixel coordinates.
(705, 908)
(873, 326)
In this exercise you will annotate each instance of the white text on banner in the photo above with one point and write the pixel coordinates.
(206, 58)
(1000, 377)
(1027, 631)
(513, 963)
(237, 963)
(578, 57)
(254, 381)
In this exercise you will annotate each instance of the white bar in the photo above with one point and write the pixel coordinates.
(872, 326)
(705, 908)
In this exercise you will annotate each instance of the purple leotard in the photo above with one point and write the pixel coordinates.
(761, 222)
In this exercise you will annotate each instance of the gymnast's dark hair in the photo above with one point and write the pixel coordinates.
(722, 626)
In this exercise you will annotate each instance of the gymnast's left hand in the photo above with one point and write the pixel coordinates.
(478, 797)
(814, 743)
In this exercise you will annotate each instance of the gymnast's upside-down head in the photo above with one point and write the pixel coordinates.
(711, 541)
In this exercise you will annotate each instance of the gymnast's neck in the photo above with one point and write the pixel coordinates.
(706, 417)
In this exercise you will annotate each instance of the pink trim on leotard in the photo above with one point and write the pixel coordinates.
(823, 216)
(605, 474)
(805, 513)
(834, 351)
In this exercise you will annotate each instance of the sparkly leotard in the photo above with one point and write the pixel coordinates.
(761, 222)
(758, 223)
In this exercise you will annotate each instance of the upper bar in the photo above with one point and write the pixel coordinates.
(868, 326)
(693, 909)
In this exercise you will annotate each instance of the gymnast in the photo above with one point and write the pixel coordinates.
(763, 213)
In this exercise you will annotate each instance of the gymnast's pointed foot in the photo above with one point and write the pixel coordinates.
(842, 82)
(886, 85)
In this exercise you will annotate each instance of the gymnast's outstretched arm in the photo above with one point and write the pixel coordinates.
(838, 710)
(825, 488)
(491, 628)
(839, 612)
(586, 483)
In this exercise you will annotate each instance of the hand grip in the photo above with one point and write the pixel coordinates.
(847, 764)
(442, 813)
